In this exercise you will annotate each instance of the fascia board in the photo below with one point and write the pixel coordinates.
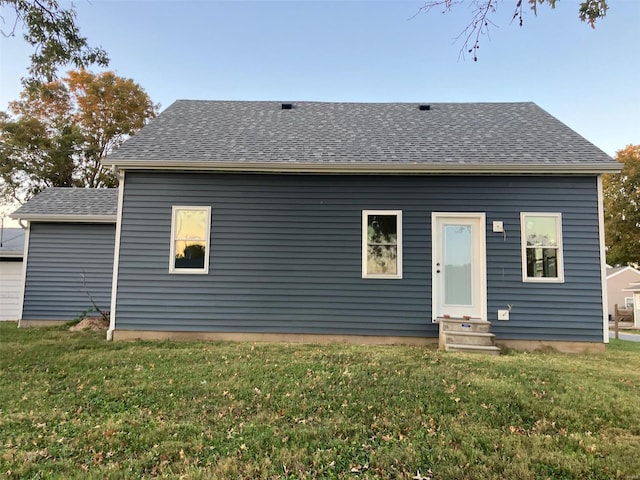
(66, 218)
(373, 168)
(11, 254)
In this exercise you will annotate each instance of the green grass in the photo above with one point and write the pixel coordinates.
(75, 406)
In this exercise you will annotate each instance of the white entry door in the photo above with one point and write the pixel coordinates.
(458, 270)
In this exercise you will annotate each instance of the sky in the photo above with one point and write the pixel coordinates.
(366, 51)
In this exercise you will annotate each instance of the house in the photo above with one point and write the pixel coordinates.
(68, 253)
(618, 279)
(359, 222)
(11, 252)
(634, 290)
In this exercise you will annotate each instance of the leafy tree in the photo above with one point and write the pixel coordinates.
(53, 33)
(483, 11)
(622, 209)
(60, 132)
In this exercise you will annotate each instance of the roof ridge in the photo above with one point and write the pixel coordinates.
(327, 102)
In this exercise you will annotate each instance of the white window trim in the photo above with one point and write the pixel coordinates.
(398, 214)
(628, 301)
(560, 255)
(172, 256)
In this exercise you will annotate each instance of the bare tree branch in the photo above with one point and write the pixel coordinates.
(482, 10)
(477, 27)
(104, 314)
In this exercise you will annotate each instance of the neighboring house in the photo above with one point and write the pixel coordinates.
(11, 253)
(68, 253)
(634, 289)
(359, 222)
(618, 279)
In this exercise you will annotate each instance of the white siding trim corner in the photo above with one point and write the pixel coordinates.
(25, 261)
(116, 258)
(603, 262)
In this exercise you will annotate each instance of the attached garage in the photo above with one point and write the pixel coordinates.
(68, 253)
(11, 253)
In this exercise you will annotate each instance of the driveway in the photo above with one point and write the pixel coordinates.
(626, 336)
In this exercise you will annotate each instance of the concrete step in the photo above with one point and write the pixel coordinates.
(469, 335)
(462, 325)
(468, 338)
(486, 349)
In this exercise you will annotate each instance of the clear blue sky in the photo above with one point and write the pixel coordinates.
(368, 51)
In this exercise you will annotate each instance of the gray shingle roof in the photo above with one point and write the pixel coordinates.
(612, 270)
(315, 133)
(12, 242)
(68, 204)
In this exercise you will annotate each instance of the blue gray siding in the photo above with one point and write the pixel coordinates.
(59, 254)
(286, 254)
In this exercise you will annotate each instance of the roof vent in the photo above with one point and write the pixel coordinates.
(424, 107)
(287, 106)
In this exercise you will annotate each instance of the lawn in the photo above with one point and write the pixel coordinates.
(75, 406)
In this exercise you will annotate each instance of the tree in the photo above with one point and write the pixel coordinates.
(53, 33)
(60, 132)
(622, 209)
(484, 10)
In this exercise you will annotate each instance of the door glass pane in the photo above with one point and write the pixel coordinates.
(457, 265)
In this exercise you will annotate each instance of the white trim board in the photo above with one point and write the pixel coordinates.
(116, 258)
(603, 262)
(408, 168)
(69, 218)
(25, 262)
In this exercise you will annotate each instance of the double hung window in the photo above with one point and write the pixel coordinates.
(542, 247)
(382, 244)
(190, 239)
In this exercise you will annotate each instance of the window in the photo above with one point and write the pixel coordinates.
(542, 247)
(381, 244)
(628, 303)
(190, 240)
